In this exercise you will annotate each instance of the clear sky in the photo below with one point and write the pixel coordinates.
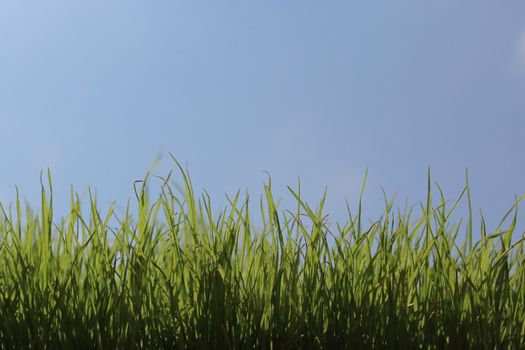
(316, 89)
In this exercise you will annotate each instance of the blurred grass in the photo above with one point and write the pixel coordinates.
(176, 275)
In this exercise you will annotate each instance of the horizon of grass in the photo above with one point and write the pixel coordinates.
(176, 275)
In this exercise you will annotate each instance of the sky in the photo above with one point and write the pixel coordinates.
(95, 90)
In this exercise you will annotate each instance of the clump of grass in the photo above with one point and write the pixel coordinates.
(174, 275)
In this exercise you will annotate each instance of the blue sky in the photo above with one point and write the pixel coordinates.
(321, 90)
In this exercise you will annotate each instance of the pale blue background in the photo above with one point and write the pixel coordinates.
(320, 90)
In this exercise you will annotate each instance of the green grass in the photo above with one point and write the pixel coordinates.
(176, 274)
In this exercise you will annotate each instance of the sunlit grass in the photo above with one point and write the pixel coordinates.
(175, 274)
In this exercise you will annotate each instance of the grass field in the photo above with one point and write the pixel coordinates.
(176, 274)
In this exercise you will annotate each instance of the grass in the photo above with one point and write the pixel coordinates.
(175, 275)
